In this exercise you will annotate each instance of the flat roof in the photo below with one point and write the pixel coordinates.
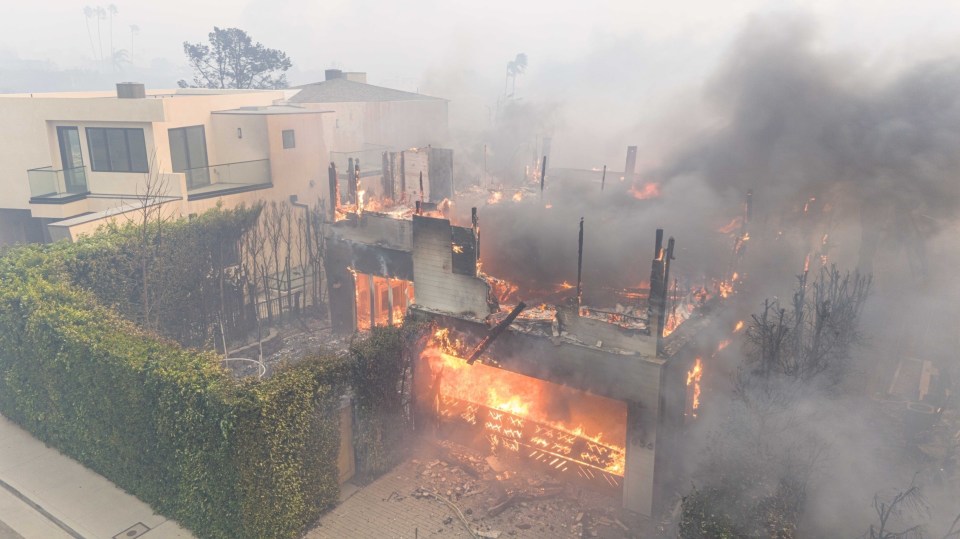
(272, 109)
(348, 91)
(150, 94)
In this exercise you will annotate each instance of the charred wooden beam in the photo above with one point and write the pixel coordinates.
(403, 177)
(351, 185)
(656, 279)
(475, 221)
(662, 304)
(356, 182)
(630, 167)
(580, 266)
(543, 173)
(421, 188)
(386, 175)
(495, 332)
(334, 191)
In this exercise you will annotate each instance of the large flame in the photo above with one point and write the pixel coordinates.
(568, 428)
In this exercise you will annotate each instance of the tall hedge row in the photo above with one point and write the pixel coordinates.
(226, 459)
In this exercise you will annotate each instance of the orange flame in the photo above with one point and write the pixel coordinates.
(647, 190)
(693, 378)
(522, 398)
(732, 226)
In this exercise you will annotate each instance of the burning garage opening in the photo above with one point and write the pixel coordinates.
(592, 396)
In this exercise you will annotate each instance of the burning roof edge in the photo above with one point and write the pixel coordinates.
(601, 371)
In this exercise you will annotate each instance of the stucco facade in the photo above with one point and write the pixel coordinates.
(240, 146)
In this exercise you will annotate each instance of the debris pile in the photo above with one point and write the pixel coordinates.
(488, 498)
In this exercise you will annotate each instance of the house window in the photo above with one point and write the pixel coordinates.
(289, 140)
(117, 150)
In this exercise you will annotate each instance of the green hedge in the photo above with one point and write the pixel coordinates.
(226, 459)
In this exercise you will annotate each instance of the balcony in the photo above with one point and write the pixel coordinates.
(227, 179)
(50, 186)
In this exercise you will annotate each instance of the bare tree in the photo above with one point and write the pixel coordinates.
(815, 335)
(317, 217)
(273, 228)
(888, 512)
(149, 218)
(897, 513)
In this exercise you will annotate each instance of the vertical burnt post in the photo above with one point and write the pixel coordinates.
(662, 315)
(351, 185)
(334, 191)
(630, 167)
(475, 221)
(356, 181)
(543, 173)
(386, 175)
(580, 268)
(603, 179)
(403, 176)
(421, 188)
(656, 285)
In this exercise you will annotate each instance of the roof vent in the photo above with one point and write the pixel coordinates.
(131, 90)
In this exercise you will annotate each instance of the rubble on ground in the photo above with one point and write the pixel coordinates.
(489, 499)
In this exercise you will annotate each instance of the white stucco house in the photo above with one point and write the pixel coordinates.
(71, 161)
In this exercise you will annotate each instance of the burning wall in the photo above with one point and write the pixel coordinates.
(616, 381)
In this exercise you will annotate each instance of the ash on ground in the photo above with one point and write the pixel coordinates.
(490, 499)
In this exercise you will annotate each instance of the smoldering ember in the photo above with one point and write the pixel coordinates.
(575, 298)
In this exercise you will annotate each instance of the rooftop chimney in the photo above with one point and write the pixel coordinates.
(356, 76)
(131, 90)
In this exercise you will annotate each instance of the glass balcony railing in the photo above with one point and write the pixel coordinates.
(49, 183)
(227, 177)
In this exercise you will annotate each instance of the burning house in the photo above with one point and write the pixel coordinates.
(596, 396)
(368, 236)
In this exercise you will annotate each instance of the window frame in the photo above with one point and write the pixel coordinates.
(127, 154)
(293, 139)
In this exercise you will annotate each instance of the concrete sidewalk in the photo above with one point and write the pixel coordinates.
(44, 494)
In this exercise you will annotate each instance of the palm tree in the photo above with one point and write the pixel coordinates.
(101, 14)
(87, 13)
(121, 58)
(134, 31)
(515, 67)
(112, 8)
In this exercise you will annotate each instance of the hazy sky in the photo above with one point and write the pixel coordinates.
(395, 42)
(612, 72)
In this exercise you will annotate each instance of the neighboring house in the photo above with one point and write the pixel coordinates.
(72, 161)
(370, 119)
